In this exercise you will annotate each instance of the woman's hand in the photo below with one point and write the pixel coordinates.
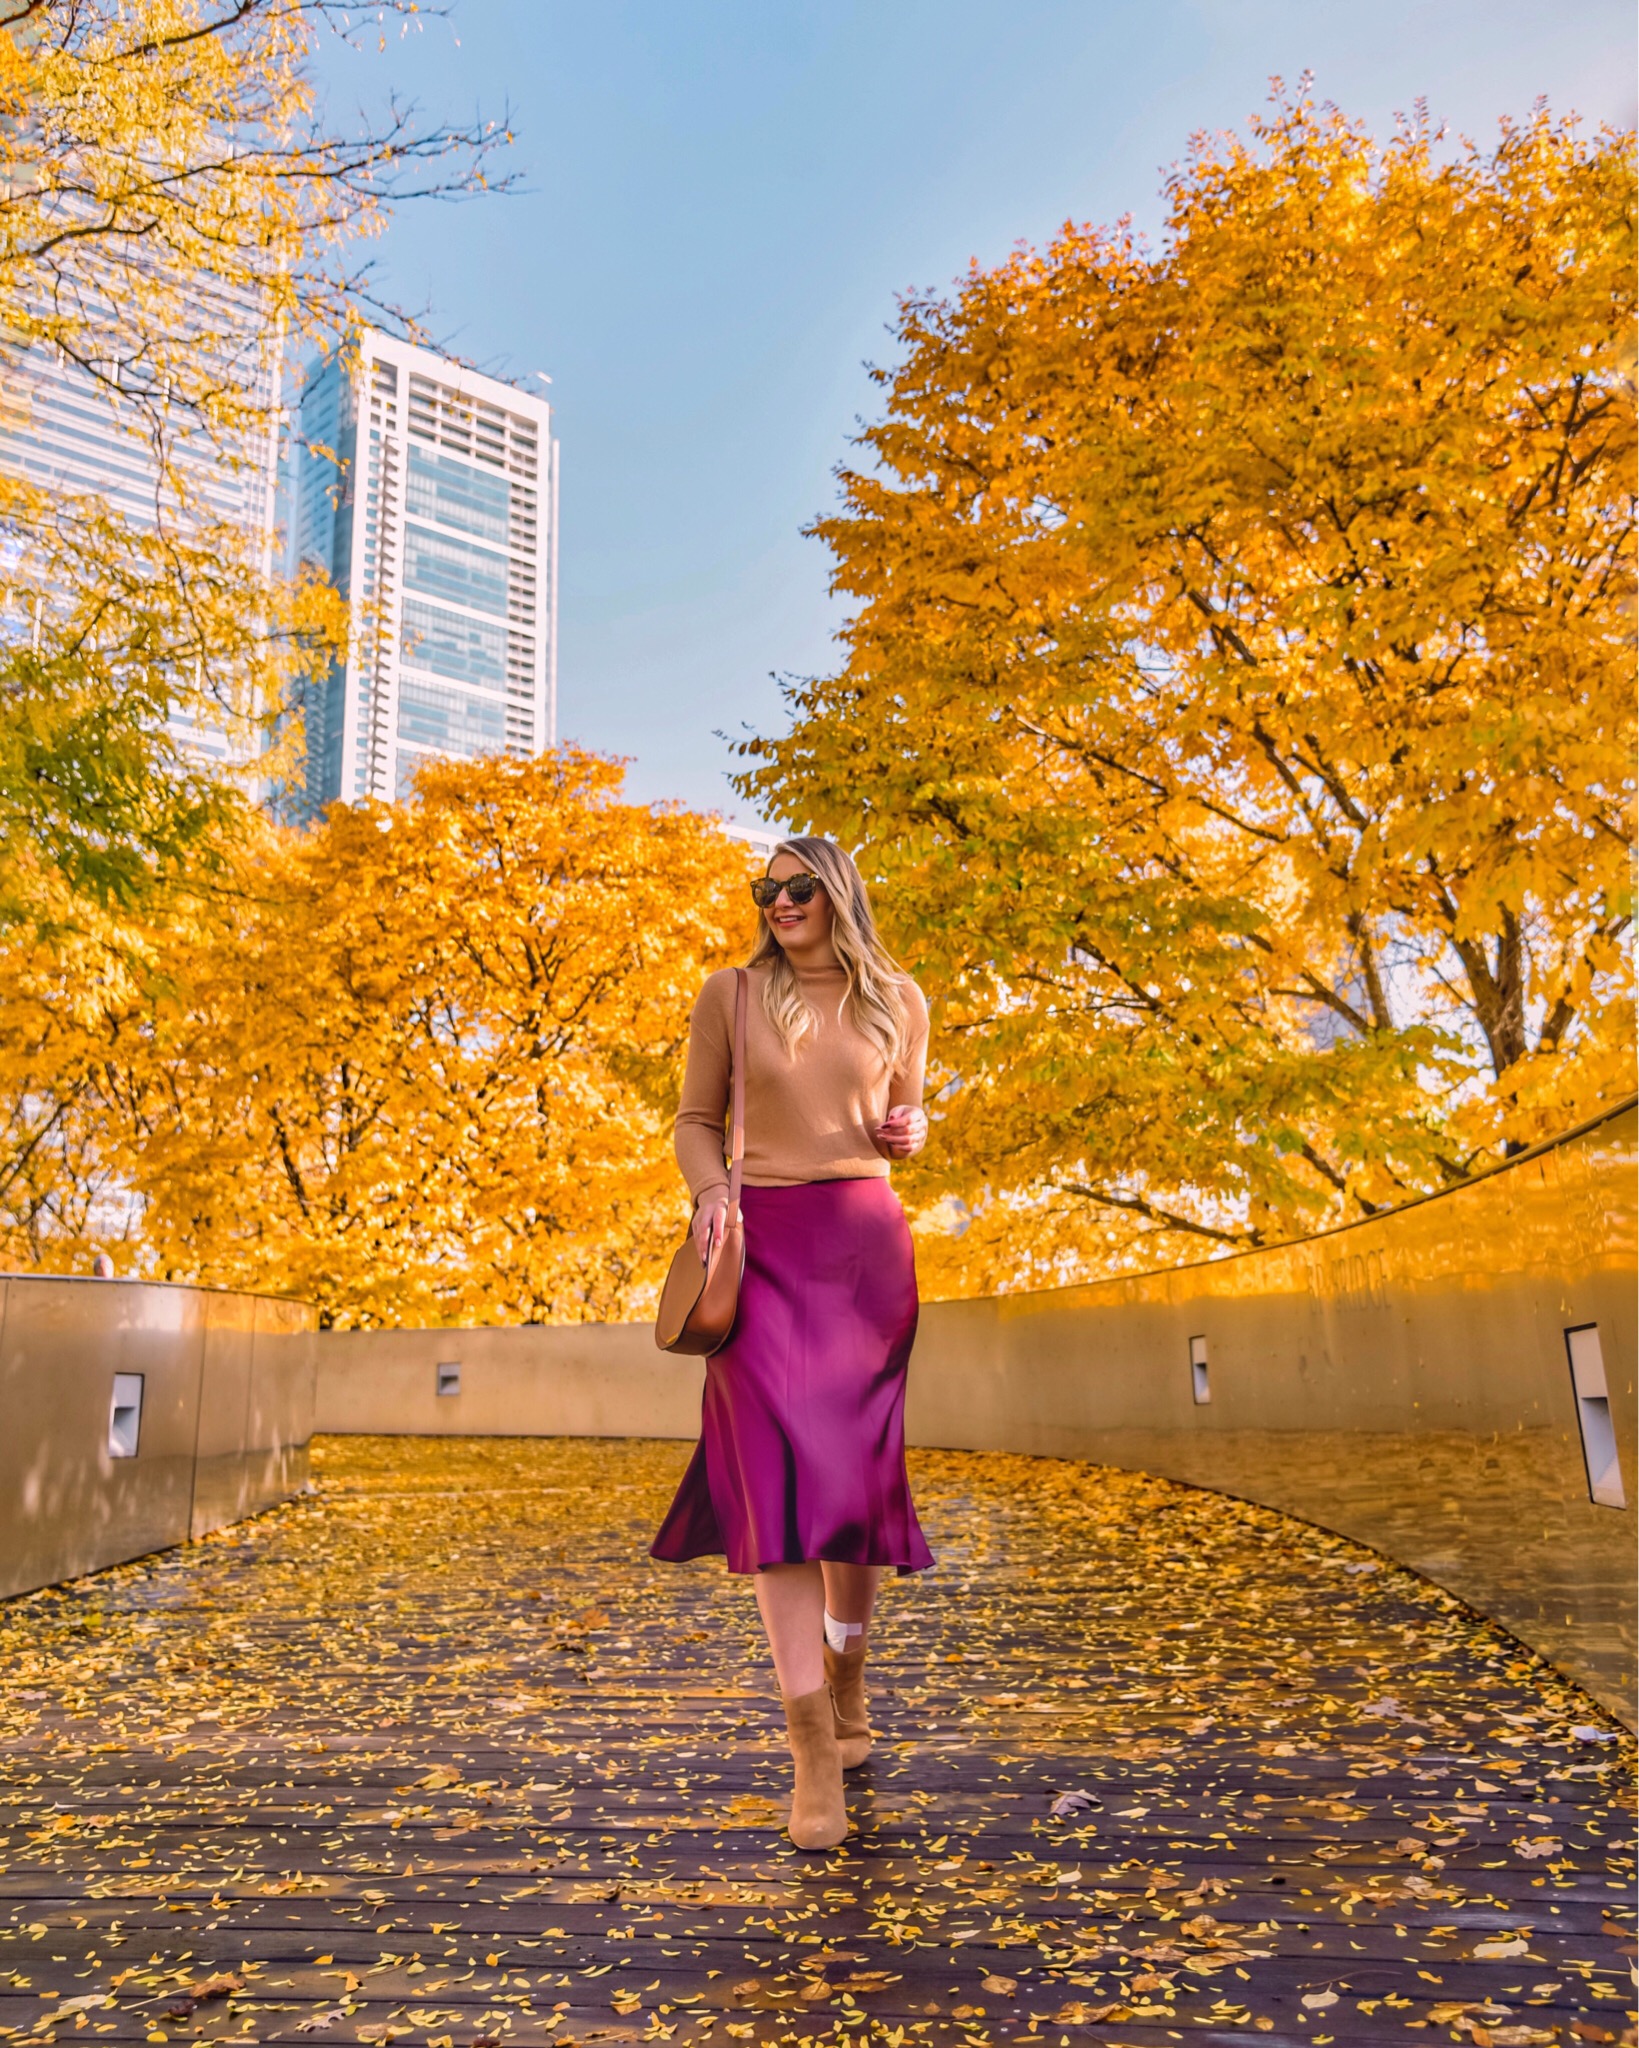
(710, 1221)
(903, 1131)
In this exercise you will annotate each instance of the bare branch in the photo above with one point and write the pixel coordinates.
(1140, 1205)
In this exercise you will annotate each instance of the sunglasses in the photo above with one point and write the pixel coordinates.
(765, 891)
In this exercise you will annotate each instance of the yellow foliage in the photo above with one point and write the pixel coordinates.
(166, 168)
(422, 1069)
(60, 1190)
(176, 214)
(458, 1655)
(1237, 721)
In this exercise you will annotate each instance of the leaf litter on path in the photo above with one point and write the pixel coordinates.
(437, 1754)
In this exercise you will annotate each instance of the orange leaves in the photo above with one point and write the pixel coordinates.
(133, 240)
(1237, 711)
(421, 1066)
(615, 1839)
(451, 1073)
(178, 214)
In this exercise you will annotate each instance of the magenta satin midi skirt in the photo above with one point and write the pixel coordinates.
(802, 1432)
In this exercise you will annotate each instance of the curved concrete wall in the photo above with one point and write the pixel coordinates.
(1407, 1381)
(215, 1393)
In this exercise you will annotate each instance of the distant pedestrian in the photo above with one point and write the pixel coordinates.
(102, 1267)
(799, 1476)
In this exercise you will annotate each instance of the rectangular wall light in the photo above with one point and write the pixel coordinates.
(1593, 1416)
(125, 1415)
(1200, 1383)
(449, 1379)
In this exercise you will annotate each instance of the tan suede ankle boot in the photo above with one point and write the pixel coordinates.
(845, 1679)
(819, 1817)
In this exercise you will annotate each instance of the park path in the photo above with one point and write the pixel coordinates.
(435, 1754)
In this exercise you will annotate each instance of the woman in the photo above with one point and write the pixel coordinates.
(799, 1476)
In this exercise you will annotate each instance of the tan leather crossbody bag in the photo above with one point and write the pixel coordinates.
(700, 1299)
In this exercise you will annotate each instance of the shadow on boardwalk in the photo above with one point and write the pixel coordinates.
(438, 1755)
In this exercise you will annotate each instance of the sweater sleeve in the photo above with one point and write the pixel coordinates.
(905, 1088)
(702, 1113)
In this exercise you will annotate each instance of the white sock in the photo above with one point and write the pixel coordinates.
(842, 1636)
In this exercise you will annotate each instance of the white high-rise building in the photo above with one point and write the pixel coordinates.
(427, 493)
(61, 430)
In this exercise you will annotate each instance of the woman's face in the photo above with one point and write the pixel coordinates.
(799, 927)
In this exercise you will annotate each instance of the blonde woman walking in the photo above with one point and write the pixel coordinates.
(799, 1476)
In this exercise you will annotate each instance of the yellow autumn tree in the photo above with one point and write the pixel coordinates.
(422, 1067)
(175, 215)
(61, 1193)
(1237, 715)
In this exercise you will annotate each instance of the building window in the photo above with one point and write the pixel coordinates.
(455, 570)
(453, 493)
(449, 721)
(448, 644)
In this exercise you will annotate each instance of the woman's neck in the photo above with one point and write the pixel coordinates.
(816, 959)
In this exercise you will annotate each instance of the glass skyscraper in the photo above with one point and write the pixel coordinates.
(427, 493)
(61, 430)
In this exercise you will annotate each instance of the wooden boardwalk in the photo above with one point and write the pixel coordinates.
(437, 1755)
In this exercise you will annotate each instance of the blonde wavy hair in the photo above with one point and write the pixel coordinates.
(874, 997)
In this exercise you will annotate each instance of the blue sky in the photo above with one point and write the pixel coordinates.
(724, 199)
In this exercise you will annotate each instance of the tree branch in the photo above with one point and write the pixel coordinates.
(1138, 1205)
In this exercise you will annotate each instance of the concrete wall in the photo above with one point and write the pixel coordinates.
(569, 1379)
(226, 1414)
(1405, 1382)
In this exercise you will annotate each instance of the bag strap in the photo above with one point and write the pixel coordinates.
(737, 1128)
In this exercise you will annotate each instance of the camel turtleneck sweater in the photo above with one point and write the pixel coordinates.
(809, 1114)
